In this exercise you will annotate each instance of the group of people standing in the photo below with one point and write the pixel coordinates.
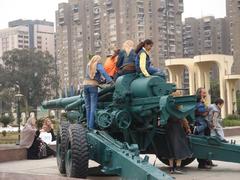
(207, 123)
(124, 61)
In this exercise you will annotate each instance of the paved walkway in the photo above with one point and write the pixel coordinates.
(47, 169)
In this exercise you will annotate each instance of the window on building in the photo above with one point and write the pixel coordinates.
(75, 8)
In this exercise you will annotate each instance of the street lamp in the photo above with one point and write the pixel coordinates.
(18, 98)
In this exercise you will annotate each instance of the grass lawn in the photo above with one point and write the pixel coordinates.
(10, 138)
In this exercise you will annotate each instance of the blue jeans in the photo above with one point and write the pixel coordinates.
(91, 98)
(152, 70)
(201, 125)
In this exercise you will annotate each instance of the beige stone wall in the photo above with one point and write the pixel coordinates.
(199, 76)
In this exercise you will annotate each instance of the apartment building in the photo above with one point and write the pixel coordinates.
(206, 35)
(11, 38)
(98, 26)
(233, 16)
(27, 34)
(41, 33)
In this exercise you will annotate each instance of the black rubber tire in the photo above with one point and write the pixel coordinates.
(61, 146)
(77, 156)
(184, 163)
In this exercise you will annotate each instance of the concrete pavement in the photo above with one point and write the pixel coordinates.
(37, 169)
(47, 169)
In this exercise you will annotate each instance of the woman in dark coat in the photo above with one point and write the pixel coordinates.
(178, 148)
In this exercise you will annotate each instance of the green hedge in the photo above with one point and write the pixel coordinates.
(10, 138)
(231, 122)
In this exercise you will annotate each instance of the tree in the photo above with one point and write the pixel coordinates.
(6, 97)
(238, 101)
(5, 120)
(32, 71)
(214, 90)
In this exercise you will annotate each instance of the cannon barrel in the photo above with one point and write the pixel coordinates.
(60, 103)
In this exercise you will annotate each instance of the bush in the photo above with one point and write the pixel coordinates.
(233, 117)
(4, 133)
(231, 122)
(6, 120)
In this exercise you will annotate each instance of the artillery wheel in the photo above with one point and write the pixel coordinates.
(76, 159)
(61, 146)
(185, 162)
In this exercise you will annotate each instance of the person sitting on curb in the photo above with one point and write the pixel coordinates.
(36, 148)
(47, 133)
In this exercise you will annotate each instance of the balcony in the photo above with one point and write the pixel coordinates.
(96, 2)
(171, 15)
(180, 8)
(96, 11)
(96, 17)
(110, 10)
(61, 21)
(76, 17)
(171, 4)
(97, 44)
(207, 45)
(109, 2)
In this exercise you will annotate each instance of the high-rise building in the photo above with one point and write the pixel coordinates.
(12, 38)
(191, 37)
(41, 33)
(28, 34)
(86, 27)
(233, 16)
(206, 35)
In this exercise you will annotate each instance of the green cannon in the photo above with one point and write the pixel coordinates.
(130, 120)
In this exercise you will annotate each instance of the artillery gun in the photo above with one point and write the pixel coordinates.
(130, 120)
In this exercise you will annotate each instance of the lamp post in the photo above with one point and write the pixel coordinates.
(18, 98)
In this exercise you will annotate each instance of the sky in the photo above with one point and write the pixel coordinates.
(200, 8)
(45, 9)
